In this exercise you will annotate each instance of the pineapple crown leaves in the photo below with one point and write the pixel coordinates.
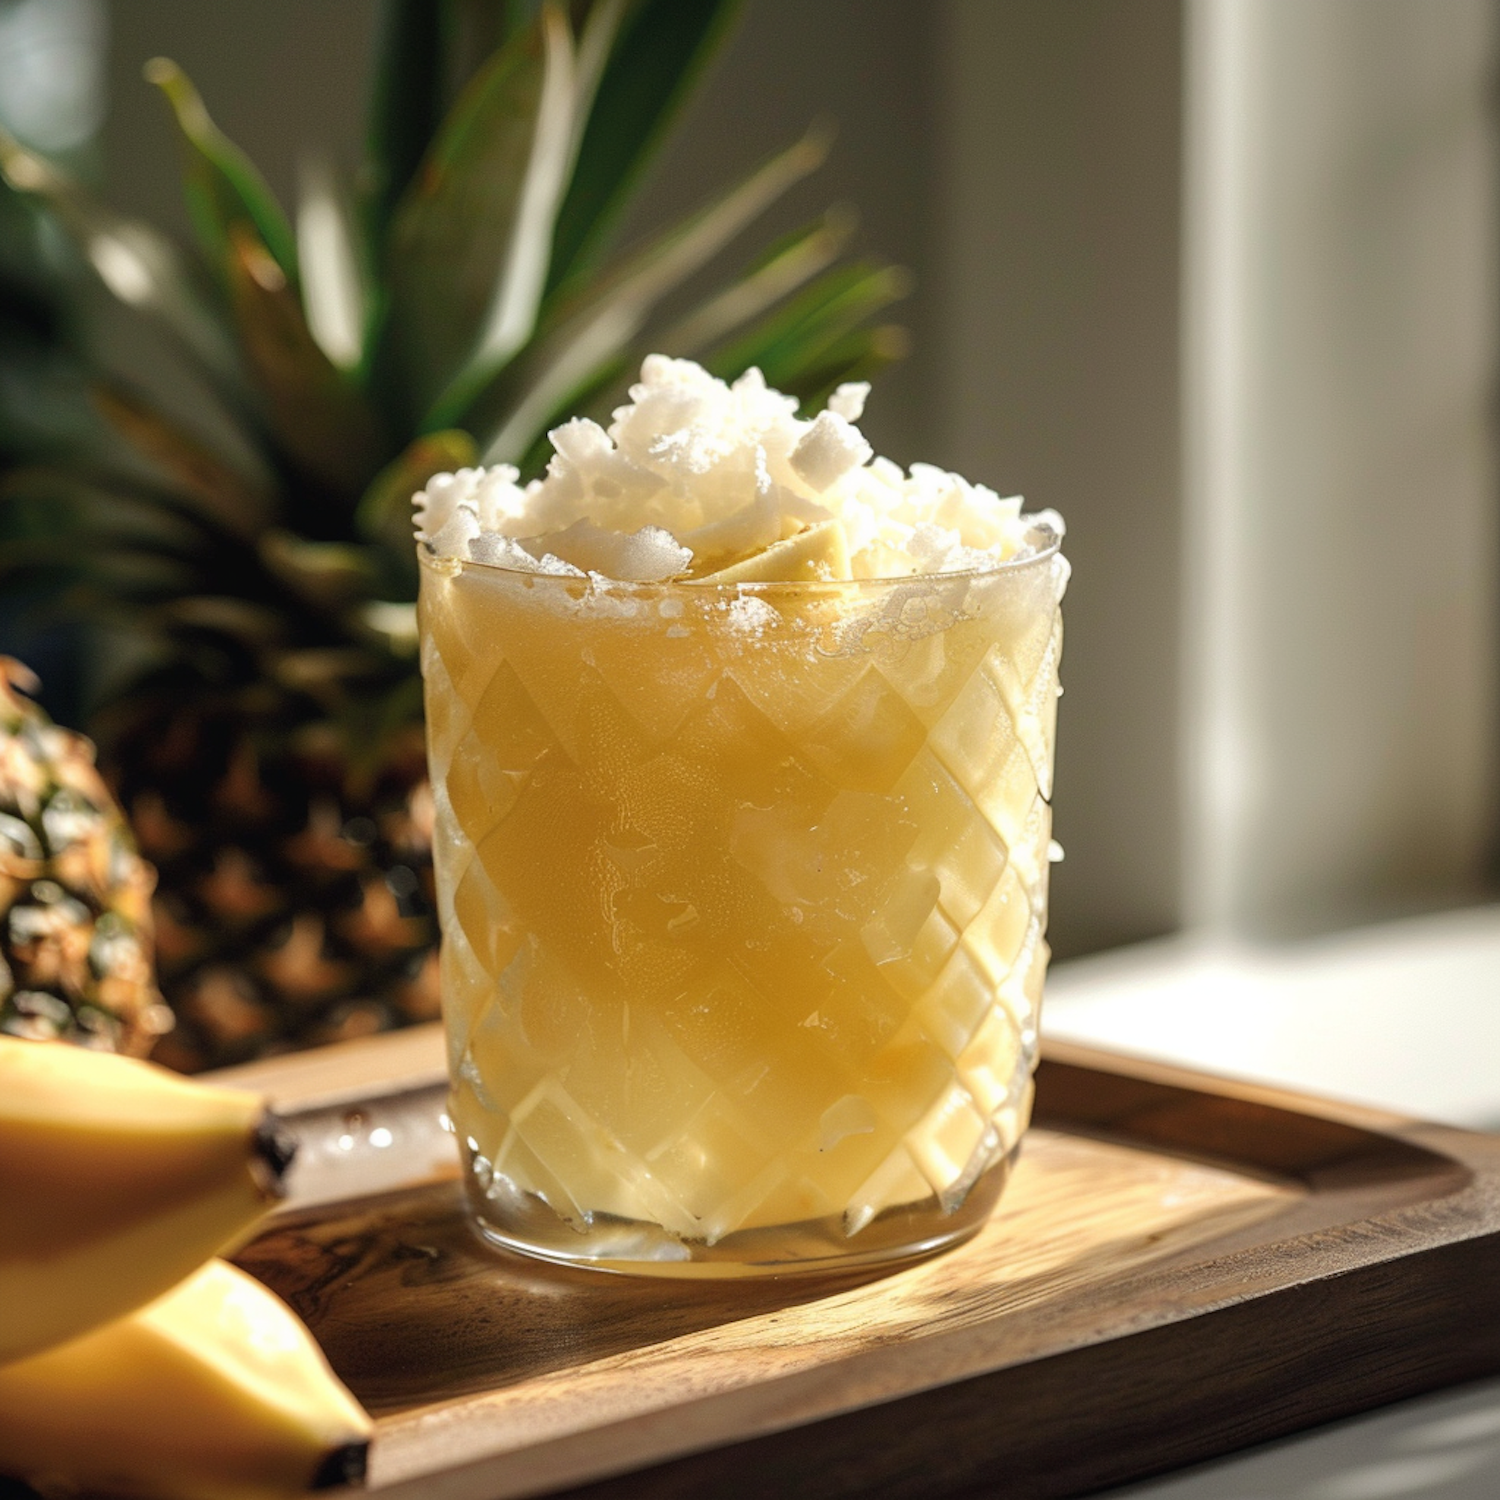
(222, 184)
(453, 304)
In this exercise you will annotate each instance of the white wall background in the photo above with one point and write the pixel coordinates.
(1055, 273)
(1218, 280)
(1340, 324)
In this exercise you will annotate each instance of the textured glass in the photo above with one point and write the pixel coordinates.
(743, 894)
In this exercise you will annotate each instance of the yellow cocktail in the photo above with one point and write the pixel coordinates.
(743, 889)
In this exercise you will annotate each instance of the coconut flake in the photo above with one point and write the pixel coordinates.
(694, 475)
(649, 555)
(848, 401)
(828, 450)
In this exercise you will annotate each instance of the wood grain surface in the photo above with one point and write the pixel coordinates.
(1178, 1267)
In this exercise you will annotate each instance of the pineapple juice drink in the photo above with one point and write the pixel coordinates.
(742, 859)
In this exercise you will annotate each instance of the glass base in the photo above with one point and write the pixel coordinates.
(527, 1224)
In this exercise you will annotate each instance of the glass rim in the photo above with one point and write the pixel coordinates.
(1049, 545)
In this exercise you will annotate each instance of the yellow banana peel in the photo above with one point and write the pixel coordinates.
(215, 1391)
(117, 1178)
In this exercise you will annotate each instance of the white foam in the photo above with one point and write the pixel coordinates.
(695, 475)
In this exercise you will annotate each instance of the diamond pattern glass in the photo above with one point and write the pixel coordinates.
(743, 909)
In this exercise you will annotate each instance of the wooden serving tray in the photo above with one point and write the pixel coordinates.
(1179, 1267)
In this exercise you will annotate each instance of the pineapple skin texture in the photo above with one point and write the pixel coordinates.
(215, 1391)
(117, 1179)
(295, 904)
(75, 896)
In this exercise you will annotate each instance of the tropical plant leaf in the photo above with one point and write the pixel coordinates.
(139, 266)
(801, 331)
(47, 501)
(215, 489)
(132, 575)
(428, 51)
(859, 354)
(809, 355)
(453, 226)
(511, 402)
(662, 50)
(792, 263)
(567, 95)
(60, 498)
(384, 513)
(24, 557)
(335, 280)
(597, 399)
(517, 291)
(250, 623)
(327, 575)
(314, 668)
(406, 103)
(224, 187)
(810, 368)
(61, 553)
(319, 416)
(484, 25)
(596, 24)
(394, 624)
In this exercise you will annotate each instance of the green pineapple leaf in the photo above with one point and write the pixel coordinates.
(567, 97)
(799, 334)
(384, 513)
(788, 265)
(318, 415)
(337, 287)
(511, 404)
(335, 676)
(663, 48)
(198, 474)
(406, 104)
(453, 227)
(37, 545)
(393, 624)
(130, 577)
(250, 624)
(329, 576)
(774, 276)
(42, 501)
(860, 354)
(224, 187)
(326, 574)
(144, 545)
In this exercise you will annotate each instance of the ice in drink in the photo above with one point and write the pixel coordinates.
(743, 880)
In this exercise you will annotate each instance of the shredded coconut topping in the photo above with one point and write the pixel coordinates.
(699, 480)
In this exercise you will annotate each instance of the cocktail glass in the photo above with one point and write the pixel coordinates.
(743, 891)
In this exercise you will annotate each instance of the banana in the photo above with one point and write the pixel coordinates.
(215, 1391)
(117, 1178)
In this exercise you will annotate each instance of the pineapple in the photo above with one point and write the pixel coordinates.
(296, 901)
(75, 935)
(250, 578)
